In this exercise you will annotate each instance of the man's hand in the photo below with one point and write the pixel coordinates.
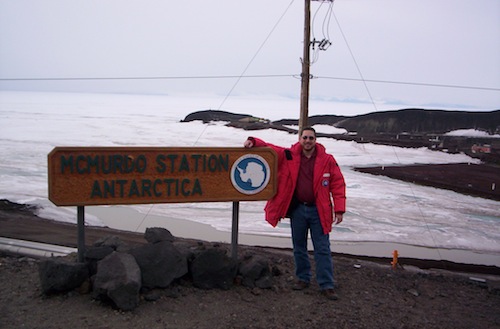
(248, 144)
(338, 218)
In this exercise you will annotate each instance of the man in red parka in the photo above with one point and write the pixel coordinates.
(308, 180)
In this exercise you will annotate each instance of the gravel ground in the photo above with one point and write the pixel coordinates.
(371, 294)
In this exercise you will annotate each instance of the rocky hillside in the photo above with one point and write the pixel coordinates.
(412, 121)
(214, 115)
(405, 128)
(422, 121)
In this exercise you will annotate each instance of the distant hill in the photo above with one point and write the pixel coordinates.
(404, 128)
(314, 120)
(421, 121)
(412, 121)
(214, 115)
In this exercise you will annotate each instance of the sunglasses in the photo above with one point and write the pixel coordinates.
(311, 138)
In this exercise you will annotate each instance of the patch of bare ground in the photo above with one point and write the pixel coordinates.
(371, 296)
(481, 180)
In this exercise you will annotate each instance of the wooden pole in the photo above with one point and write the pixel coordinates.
(305, 76)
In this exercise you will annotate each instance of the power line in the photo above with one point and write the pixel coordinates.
(255, 76)
(323, 44)
(242, 75)
(257, 52)
(150, 78)
(355, 62)
(412, 83)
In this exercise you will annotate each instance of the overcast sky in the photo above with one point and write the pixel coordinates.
(409, 52)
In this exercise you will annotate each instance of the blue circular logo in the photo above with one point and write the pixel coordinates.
(250, 174)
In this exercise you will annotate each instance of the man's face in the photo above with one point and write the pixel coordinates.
(307, 140)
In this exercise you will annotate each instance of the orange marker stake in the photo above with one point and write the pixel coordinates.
(394, 262)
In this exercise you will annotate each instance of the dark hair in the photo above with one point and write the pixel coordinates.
(307, 128)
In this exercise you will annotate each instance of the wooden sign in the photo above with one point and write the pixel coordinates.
(80, 176)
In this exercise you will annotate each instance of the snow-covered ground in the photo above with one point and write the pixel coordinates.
(379, 209)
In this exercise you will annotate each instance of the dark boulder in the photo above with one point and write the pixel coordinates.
(111, 241)
(118, 278)
(61, 275)
(255, 271)
(94, 255)
(160, 263)
(158, 234)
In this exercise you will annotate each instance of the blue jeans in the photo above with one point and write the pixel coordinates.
(304, 218)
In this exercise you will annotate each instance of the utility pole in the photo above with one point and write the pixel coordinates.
(305, 76)
(306, 63)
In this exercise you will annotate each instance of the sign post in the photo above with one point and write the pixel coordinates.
(80, 214)
(234, 230)
(82, 176)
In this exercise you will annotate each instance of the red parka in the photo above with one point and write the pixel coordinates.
(328, 183)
